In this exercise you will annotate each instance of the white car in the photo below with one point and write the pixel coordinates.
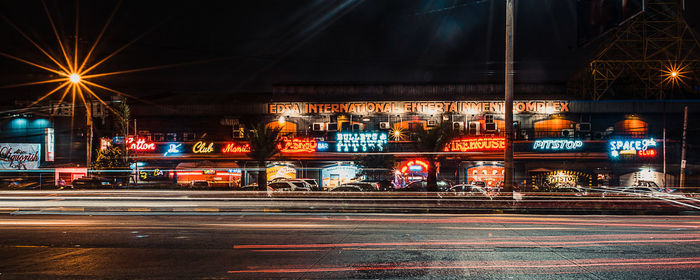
(289, 186)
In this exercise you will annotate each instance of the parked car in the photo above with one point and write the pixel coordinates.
(383, 185)
(422, 186)
(289, 186)
(312, 183)
(470, 190)
(91, 183)
(355, 187)
(18, 184)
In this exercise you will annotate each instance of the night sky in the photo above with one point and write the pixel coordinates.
(239, 47)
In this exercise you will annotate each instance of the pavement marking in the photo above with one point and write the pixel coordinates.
(206, 209)
(139, 209)
(28, 246)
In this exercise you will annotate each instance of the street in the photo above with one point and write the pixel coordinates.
(337, 246)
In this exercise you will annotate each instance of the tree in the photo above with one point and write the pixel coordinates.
(263, 145)
(432, 141)
(112, 158)
(121, 124)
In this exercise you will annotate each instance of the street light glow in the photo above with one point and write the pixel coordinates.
(74, 78)
(674, 74)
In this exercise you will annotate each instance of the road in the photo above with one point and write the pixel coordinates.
(230, 201)
(193, 245)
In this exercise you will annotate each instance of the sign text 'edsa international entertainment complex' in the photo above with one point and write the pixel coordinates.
(420, 107)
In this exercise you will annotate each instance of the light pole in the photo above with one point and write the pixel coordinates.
(508, 156)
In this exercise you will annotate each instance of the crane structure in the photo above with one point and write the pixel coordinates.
(651, 55)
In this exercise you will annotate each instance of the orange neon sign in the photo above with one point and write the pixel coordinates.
(476, 144)
(236, 148)
(297, 145)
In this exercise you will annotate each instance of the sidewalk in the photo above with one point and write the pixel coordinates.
(227, 201)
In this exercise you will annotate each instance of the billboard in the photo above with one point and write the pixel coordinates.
(19, 156)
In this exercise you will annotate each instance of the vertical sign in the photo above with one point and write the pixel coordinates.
(49, 144)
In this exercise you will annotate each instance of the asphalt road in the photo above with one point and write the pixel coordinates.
(362, 246)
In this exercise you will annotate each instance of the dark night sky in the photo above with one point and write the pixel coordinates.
(246, 46)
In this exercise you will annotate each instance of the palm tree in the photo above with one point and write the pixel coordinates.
(433, 140)
(263, 145)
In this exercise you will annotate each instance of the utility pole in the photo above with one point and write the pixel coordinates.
(664, 181)
(508, 156)
(685, 128)
(88, 124)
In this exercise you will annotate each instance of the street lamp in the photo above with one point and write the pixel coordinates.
(74, 78)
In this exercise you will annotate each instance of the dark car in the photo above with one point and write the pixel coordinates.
(383, 185)
(18, 184)
(355, 187)
(422, 186)
(91, 183)
(571, 190)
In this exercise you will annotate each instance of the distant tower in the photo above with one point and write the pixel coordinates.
(645, 57)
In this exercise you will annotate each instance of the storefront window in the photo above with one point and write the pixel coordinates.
(552, 127)
(337, 175)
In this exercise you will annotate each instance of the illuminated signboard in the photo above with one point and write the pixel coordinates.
(476, 144)
(361, 141)
(140, 144)
(418, 166)
(19, 156)
(421, 107)
(297, 145)
(236, 148)
(632, 147)
(173, 149)
(48, 144)
(202, 147)
(322, 146)
(557, 144)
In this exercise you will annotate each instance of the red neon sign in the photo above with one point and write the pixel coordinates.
(139, 144)
(236, 148)
(297, 145)
(410, 166)
(476, 144)
(647, 153)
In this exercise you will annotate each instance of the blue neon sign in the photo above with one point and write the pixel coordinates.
(322, 146)
(173, 148)
(630, 146)
(557, 144)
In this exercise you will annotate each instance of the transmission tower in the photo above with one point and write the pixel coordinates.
(647, 56)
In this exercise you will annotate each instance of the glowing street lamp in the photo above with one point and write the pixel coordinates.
(674, 74)
(74, 78)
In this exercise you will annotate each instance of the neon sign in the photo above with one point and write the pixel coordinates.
(556, 144)
(361, 141)
(476, 144)
(648, 153)
(202, 147)
(322, 146)
(638, 147)
(140, 144)
(173, 149)
(297, 145)
(414, 166)
(236, 148)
